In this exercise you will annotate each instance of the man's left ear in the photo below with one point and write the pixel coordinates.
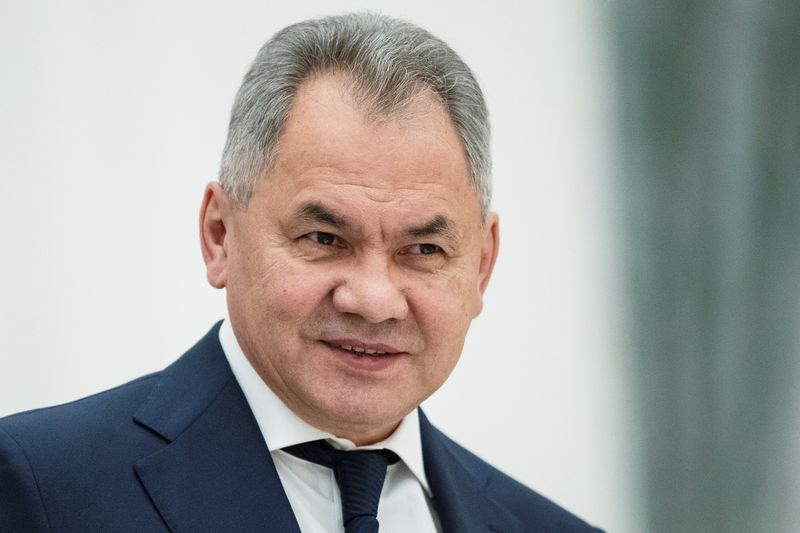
(489, 247)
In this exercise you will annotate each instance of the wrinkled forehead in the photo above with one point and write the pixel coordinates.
(395, 172)
(329, 127)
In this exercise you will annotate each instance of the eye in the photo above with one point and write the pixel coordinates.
(322, 238)
(423, 249)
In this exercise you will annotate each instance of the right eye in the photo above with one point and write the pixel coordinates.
(324, 239)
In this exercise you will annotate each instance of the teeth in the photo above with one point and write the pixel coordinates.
(361, 351)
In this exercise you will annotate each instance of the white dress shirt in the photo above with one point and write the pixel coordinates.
(311, 488)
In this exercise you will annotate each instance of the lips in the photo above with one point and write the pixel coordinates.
(362, 348)
(361, 358)
(361, 351)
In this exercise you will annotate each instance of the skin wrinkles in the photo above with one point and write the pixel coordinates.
(316, 212)
(376, 194)
(403, 201)
(380, 189)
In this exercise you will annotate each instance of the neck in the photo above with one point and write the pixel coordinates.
(365, 438)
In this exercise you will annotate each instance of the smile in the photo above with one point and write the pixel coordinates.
(362, 348)
(361, 351)
(362, 357)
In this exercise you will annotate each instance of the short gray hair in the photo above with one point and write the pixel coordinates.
(388, 61)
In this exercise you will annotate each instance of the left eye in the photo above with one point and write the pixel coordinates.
(424, 249)
(320, 237)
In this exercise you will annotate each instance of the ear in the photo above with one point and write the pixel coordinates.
(214, 225)
(491, 243)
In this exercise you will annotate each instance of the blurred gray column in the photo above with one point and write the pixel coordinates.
(709, 158)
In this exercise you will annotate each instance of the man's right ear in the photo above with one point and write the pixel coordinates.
(214, 217)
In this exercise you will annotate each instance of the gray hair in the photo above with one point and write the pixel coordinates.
(388, 61)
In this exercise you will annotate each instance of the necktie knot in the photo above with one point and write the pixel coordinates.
(359, 474)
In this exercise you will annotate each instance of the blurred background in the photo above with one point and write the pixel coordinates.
(637, 357)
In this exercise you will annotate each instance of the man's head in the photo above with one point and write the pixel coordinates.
(387, 62)
(353, 217)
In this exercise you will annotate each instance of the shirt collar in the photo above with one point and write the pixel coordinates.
(280, 427)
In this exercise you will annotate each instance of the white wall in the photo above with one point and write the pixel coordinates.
(112, 119)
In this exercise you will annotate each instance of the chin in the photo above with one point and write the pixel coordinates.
(363, 413)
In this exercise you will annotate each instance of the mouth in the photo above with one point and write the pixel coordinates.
(363, 349)
(358, 350)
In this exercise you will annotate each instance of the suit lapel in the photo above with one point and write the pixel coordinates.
(215, 473)
(459, 496)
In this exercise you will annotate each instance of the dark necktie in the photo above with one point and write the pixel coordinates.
(359, 474)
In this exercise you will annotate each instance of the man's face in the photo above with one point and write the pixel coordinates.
(356, 269)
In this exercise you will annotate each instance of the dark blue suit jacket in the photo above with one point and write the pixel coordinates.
(180, 450)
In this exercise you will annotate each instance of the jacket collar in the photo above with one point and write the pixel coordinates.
(467, 508)
(215, 473)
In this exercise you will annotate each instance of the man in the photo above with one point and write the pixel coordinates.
(351, 231)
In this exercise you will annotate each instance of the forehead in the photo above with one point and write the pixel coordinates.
(329, 141)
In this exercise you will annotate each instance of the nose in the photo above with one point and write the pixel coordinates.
(368, 290)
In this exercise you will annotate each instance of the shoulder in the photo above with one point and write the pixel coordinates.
(72, 467)
(57, 458)
(91, 433)
(108, 416)
(98, 416)
(525, 504)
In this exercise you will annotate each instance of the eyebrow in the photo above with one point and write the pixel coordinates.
(316, 212)
(438, 226)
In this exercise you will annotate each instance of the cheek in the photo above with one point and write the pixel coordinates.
(296, 291)
(277, 288)
(444, 310)
(470, 290)
(455, 296)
